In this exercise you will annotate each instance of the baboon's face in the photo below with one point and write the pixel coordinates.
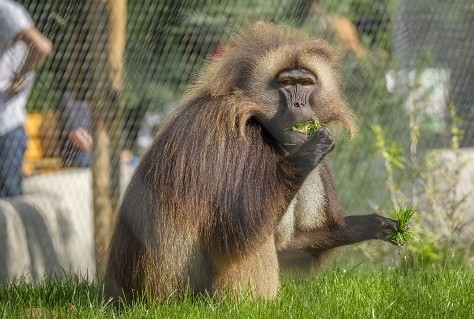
(283, 77)
(295, 89)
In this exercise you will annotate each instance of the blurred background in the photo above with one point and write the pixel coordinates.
(408, 72)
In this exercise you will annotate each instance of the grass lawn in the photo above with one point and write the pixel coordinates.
(419, 292)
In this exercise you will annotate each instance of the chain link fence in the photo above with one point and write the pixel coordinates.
(403, 64)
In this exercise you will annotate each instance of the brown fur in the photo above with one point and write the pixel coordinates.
(188, 204)
(202, 208)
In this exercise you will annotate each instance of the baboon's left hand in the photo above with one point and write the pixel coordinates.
(322, 143)
(312, 152)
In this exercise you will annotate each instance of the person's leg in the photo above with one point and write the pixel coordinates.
(12, 150)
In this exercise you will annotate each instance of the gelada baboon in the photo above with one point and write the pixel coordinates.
(204, 205)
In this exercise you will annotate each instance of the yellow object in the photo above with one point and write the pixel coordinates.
(42, 141)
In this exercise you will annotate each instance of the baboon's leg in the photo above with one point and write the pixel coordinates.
(200, 272)
(256, 271)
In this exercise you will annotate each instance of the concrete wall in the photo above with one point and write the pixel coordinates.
(49, 230)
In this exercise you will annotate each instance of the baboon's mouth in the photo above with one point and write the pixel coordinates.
(301, 131)
(307, 127)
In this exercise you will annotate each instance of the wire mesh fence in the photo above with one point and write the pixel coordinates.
(116, 72)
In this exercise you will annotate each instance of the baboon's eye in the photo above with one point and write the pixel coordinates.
(307, 82)
(285, 82)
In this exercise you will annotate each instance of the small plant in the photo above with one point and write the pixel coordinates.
(403, 235)
(433, 189)
(307, 127)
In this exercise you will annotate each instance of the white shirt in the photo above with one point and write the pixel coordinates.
(13, 19)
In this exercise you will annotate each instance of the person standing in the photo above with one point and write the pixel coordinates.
(23, 48)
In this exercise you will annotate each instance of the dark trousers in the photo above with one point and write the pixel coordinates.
(12, 149)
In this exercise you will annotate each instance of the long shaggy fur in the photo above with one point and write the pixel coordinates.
(202, 207)
(210, 185)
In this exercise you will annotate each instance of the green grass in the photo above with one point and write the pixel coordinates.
(308, 127)
(403, 235)
(425, 292)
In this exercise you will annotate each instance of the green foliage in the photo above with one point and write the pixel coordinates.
(403, 235)
(308, 127)
(441, 221)
(392, 153)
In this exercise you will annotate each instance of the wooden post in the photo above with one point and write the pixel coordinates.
(116, 52)
(107, 21)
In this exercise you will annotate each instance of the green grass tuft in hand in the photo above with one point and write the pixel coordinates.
(403, 235)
